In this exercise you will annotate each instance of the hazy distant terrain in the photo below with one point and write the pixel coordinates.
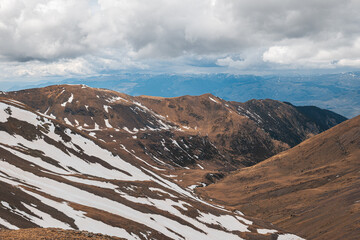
(336, 92)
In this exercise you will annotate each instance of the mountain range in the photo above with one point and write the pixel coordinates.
(89, 159)
(337, 92)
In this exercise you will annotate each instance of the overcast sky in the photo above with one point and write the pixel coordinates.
(65, 38)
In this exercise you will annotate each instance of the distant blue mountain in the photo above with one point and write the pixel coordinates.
(336, 92)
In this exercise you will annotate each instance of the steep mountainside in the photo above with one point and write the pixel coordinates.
(54, 175)
(183, 131)
(311, 189)
(288, 123)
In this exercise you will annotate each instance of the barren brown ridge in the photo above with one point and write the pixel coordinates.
(311, 189)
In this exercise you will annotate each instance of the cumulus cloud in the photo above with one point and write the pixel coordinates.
(41, 30)
(52, 35)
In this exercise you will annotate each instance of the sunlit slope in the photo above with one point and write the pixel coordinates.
(311, 189)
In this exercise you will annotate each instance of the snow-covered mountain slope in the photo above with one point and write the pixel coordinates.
(54, 175)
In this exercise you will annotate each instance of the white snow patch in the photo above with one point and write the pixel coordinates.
(67, 122)
(8, 225)
(227, 221)
(107, 124)
(248, 222)
(115, 99)
(213, 100)
(5, 204)
(46, 110)
(192, 187)
(266, 231)
(289, 236)
(92, 134)
(71, 98)
(129, 131)
(239, 212)
(96, 127)
(170, 175)
(106, 108)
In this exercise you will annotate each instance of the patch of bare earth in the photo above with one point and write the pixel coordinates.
(51, 233)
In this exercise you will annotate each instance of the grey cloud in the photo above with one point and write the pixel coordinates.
(314, 33)
(41, 30)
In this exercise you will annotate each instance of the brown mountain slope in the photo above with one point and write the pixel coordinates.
(237, 138)
(179, 132)
(312, 189)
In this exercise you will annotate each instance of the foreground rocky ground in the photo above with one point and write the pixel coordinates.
(51, 234)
